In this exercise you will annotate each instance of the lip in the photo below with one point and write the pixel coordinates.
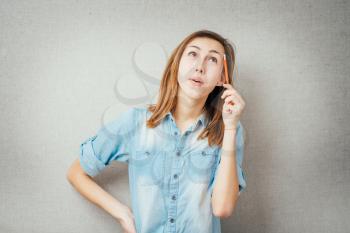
(196, 81)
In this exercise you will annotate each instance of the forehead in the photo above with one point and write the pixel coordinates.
(206, 44)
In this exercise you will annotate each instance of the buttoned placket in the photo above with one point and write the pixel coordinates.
(175, 171)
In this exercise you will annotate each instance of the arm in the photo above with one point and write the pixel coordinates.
(86, 186)
(225, 191)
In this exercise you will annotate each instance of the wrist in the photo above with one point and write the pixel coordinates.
(118, 210)
(231, 125)
(230, 128)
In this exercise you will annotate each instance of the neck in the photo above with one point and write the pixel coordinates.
(188, 109)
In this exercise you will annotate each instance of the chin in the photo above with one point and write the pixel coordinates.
(191, 93)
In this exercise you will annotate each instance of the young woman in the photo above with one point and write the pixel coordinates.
(184, 153)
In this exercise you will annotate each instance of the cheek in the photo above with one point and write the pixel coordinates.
(214, 74)
(185, 70)
(187, 63)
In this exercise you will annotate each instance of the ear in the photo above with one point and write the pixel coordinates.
(221, 81)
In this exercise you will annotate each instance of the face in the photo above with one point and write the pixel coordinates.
(201, 67)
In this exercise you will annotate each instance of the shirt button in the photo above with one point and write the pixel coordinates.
(203, 152)
(171, 220)
(187, 133)
(175, 176)
(173, 197)
(175, 133)
(178, 153)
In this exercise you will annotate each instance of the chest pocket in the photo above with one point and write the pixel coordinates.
(148, 166)
(200, 165)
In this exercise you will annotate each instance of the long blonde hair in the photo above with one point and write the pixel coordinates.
(167, 98)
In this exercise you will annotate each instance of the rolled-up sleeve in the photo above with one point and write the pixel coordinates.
(239, 157)
(111, 142)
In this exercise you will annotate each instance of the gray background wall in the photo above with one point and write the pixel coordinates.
(60, 62)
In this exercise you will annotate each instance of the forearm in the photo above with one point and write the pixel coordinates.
(225, 191)
(87, 187)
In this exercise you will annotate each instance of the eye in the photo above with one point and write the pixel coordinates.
(192, 53)
(214, 59)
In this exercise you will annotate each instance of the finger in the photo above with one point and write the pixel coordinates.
(234, 103)
(229, 92)
(227, 85)
(235, 93)
(229, 109)
(226, 93)
(239, 98)
(232, 99)
(225, 109)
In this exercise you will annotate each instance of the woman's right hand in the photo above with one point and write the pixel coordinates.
(127, 220)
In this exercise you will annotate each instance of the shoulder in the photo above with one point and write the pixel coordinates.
(126, 120)
(133, 113)
(139, 112)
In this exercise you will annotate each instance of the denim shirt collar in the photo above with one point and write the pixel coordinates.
(202, 119)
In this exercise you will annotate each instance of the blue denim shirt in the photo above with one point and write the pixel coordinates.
(171, 176)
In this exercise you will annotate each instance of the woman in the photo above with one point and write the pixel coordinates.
(184, 153)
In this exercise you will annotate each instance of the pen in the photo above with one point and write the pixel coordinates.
(226, 72)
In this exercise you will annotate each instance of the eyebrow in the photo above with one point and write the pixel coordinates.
(213, 50)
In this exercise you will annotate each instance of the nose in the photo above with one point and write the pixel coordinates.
(199, 69)
(199, 66)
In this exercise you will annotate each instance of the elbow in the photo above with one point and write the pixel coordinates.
(223, 209)
(75, 172)
(72, 174)
(223, 213)
(69, 175)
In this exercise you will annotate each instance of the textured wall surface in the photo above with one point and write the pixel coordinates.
(68, 66)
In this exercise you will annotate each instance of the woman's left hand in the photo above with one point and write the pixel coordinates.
(233, 106)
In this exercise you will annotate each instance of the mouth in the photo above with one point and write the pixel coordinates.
(196, 81)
